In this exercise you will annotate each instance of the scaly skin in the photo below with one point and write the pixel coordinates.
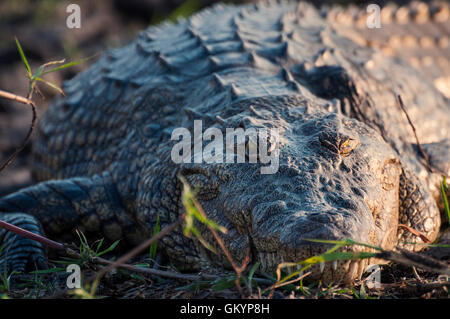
(348, 163)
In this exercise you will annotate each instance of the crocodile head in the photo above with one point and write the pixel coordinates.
(336, 179)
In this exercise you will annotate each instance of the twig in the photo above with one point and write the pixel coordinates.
(415, 232)
(417, 287)
(23, 100)
(120, 263)
(416, 274)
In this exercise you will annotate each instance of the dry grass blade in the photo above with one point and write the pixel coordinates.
(444, 190)
(32, 87)
(27, 234)
(119, 264)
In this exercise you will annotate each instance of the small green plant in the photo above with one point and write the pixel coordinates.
(86, 252)
(444, 193)
(33, 78)
(195, 212)
(186, 9)
(225, 282)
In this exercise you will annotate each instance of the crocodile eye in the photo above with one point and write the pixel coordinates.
(251, 150)
(347, 146)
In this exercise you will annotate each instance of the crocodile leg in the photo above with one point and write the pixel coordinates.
(418, 33)
(91, 204)
(418, 210)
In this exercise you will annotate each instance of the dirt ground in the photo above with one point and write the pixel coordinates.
(41, 28)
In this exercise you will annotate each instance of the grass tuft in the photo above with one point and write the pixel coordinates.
(444, 193)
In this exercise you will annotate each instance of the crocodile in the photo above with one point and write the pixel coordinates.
(349, 164)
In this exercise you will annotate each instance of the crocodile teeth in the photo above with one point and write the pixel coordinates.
(300, 273)
(322, 267)
(334, 264)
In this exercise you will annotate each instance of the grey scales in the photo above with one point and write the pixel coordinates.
(349, 164)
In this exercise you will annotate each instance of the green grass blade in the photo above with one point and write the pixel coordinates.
(99, 245)
(155, 244)
(338, 256)
(223, 283)
(24, 59)
(444, 198)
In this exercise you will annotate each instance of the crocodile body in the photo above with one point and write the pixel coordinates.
(349, 165)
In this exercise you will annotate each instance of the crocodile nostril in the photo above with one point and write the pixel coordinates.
(338, 143)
